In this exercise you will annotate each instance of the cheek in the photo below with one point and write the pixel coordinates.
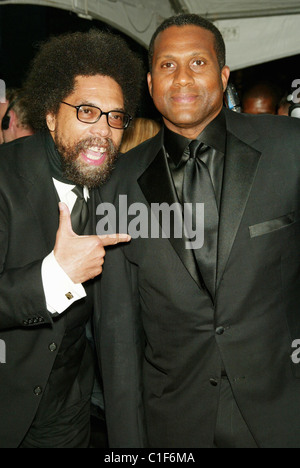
(69, 135)
(160, 86)
(209, 83)
(117, 136)
(211, 90)
(160, 101)
(160, 95)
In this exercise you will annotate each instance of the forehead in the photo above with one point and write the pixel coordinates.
(179, 39)
(97, 89)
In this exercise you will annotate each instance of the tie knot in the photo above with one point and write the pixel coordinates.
(78, 191)
(198, 150)
(194, 147)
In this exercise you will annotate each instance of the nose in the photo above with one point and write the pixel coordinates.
(101, 128)
(184, 76)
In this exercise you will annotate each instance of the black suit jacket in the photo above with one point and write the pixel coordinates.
(162, 341)
(29, 219)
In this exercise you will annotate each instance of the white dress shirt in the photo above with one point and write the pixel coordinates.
(60, 291)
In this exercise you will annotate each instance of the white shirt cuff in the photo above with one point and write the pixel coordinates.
(60, 291)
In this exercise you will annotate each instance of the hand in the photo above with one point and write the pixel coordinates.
(81, 257)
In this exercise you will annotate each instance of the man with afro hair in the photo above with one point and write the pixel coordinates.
(82, 92)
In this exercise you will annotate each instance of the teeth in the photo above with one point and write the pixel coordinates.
(95, 153)
(96, 149)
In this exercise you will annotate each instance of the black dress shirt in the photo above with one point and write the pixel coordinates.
(177, 148)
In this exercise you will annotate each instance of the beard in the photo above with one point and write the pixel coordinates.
(78, 171)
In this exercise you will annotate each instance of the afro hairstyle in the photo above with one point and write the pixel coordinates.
(61, 59)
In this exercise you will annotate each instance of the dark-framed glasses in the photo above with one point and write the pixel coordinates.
(92, 114)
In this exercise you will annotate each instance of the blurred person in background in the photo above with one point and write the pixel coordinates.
(15, 121)
(284, 105)
(261, 98)
(3, 109)
(139, 131)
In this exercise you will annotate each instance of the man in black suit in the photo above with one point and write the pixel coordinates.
(195, 344)
(79, 94)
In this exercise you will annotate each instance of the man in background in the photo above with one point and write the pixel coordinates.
(261, 98)
(284, 105)
(14, 120)
(3, 109)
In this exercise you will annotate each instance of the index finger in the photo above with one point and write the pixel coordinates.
(114, 239)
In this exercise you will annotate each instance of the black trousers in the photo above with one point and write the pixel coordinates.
(231, 428)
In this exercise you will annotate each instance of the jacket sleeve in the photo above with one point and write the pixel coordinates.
(22, 298)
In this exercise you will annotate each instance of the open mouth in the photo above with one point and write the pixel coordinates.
(94, 155)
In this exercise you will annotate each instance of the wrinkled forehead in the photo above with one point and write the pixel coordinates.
(97, 88)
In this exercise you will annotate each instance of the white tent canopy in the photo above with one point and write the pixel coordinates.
(254, 31)
(225, 9)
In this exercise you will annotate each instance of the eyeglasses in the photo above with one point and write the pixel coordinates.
(91, 115)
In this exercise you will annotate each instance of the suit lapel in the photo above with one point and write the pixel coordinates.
(240, 169)
(157, 187)
(239, 173)
(41, 193)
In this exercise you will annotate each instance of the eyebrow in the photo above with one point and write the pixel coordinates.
(173, 57)
(116, 109)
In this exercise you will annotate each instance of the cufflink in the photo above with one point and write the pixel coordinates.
(69, 296)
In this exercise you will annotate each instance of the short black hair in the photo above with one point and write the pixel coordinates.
(191, 20)
(61, 59)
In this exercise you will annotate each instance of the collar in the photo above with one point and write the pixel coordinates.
(214, 135)
(64, 189)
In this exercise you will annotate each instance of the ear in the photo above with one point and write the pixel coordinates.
(51, 122)
(225, 74)
(150, 85)
(13, 121)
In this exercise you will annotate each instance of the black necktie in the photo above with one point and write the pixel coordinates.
(80, 212)
(198, 188)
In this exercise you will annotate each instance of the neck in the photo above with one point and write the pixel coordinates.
(22, 132)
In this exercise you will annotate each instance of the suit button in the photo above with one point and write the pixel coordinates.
(38, 391)
(30, 321)
(52, 347)
(213, 382)
(220, 330)
(41, 320)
